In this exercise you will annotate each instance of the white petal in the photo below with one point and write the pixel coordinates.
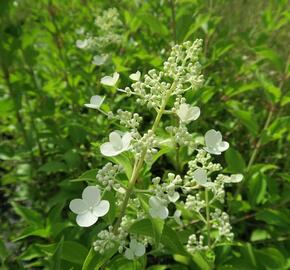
(116, 140)
(139, 250)
(78, 206)
(163, 212)
(223, 146)
(91, 195)
(175, 196)
(92, 106)
(86, 220)
(200, 176)
(212, 138)
(236, 178)
(135, 76)
(116, 76)
(129, 254)
(82, 43)
(133, 244)
(97, 100)
(182, 112)
(176, 216)
(212, 150)
(194, 113)
(110, 81)
(126, 139)
(101, 209)
(108, 150)
(154, 202)
(99, 60)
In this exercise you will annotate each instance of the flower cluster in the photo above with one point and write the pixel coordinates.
(168, 196)
(107, 33)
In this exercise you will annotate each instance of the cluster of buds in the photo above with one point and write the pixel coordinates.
(195, 244)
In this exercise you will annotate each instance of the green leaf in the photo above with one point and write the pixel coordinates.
(171, 241)
(125, 162)
(29, 215)
(56, 258)
(257, 188)
(94, 260)
(53, 167)
(235, 161)
(157, 225)
(246, 117)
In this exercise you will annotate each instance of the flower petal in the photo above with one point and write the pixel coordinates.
(108, 150)
(82, 43)
(101, 209)
(129, 254)
(200, 176)
(99, 60)
(92, 106)
(126, 139)
(139, 250)
(86, 220)
(174, 197)
(223, 146)
(116, 140)
(163, 212)
(212, 138)
(78, 206)
(97, 100)
(91, 195)
(195, 113)
(135, 76)
(212, 150)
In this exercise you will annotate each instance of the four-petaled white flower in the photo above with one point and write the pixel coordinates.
(188, 113)
(200, 176)
(234, 178)
(110, 81)
(213, 142)
(95, 102)
(135, 76)
(176, 216)
(116, 145)
(82, 43)
(135, 250)
(99, 60)
(157, 208)
(90, 207)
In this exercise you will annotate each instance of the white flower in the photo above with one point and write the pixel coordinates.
(116, 145)
(234, 178)
(99, 60)
(95, 102)
(82, 43)
(213, 142)
(200, 176)
(173, 197)
(110, 81)
(135, 250)
(176, 216)
(90, 207)
(157, 208)
(188, 113)
(135, 76)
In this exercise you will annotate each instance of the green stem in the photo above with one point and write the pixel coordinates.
(139, 162)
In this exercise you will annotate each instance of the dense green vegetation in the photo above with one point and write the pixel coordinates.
(50, 142)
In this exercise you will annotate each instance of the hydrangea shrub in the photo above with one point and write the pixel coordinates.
(178, 211)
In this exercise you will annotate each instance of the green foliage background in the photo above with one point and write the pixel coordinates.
(48, 138)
